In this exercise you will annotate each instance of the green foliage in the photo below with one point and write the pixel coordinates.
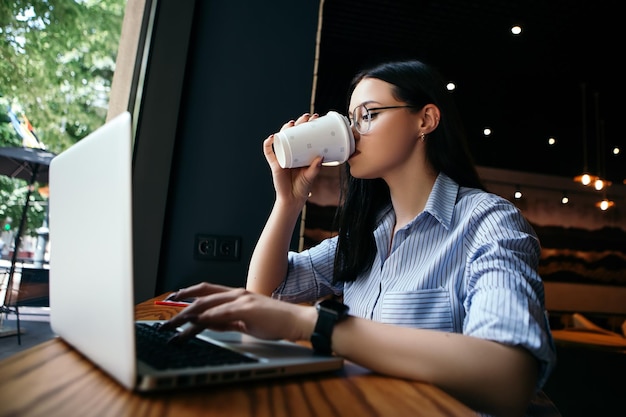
(57, 59)
(12, 199)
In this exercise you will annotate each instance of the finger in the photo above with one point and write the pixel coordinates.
(268, 146)
(177, 321)
(214, 312)
(183, 336)
(314, 169)
(199, 290)
(203, 303)
(287, 125)
(303, 119)
(194, 329)
(268, 152)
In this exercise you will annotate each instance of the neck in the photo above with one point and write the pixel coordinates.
(409, 197)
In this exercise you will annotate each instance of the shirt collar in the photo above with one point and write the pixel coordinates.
(440, 205)
(442, 199)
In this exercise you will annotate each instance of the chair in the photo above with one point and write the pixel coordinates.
(591, 355)
(32, 289)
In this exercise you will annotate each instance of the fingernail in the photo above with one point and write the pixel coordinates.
(176, 340)
(165, 326)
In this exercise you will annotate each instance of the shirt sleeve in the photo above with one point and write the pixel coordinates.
(505, 297)
(310, 274)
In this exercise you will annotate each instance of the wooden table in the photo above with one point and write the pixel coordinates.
(52, 379)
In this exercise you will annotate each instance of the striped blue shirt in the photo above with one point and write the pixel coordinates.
(466, 264)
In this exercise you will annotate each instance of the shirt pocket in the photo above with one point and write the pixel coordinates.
(426, 309)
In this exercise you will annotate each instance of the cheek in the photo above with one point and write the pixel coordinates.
(392, 140)
(379, 154)
(390, 145)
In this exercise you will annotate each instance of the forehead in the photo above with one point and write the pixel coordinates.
(371, 90)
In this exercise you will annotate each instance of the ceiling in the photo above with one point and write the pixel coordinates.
(526, 88)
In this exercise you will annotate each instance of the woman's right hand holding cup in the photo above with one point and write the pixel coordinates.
(292, 185)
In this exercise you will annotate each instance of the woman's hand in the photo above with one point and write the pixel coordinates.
(292, 184)
(224, 308)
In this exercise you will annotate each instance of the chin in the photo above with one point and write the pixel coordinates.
(356, 173)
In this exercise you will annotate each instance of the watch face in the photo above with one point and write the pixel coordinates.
(334, 307)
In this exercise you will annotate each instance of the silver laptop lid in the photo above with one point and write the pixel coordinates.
(91, 275)
(91, 271)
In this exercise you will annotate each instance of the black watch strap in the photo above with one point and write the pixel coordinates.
(329, 312)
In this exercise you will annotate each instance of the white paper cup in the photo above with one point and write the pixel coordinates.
(329, 136)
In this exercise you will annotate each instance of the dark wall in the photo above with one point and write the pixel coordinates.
(157, 93)
(250, 69)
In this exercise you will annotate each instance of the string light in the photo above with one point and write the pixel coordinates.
(585, 179)
(605, 204)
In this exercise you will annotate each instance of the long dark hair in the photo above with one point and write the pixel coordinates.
(363, 200)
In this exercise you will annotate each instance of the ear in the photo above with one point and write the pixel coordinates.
(430, 118)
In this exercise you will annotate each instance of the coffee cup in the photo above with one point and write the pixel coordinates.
(329, 136)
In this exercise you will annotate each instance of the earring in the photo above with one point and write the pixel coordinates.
(422, 136)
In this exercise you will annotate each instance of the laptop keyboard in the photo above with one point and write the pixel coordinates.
(152, 348)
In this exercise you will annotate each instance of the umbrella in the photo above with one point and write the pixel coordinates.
(30, 164)
(22, 163)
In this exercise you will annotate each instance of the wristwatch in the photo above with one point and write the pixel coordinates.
(329, 312)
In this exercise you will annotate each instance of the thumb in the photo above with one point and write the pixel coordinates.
(313, 170)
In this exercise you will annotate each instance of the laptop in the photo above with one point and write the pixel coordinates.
(91, 280)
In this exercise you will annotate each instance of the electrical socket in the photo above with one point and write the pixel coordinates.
(217, 248)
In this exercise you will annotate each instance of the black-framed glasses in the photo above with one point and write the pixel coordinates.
(362, 116)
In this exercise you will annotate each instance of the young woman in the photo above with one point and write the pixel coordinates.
(439, 276)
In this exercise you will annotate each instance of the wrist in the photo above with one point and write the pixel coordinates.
(308, 322)
(289, 208)
(329, 313)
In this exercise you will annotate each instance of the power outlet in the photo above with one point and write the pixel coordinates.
(217, 248)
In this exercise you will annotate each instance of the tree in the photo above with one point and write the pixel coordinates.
(57, 59)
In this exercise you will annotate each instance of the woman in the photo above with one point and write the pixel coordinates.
(439, 276)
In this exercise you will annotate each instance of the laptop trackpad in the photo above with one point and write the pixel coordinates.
(258, 347)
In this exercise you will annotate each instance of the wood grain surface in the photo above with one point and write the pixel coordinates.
(52, 379)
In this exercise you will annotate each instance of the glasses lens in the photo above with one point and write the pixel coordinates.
(361, 119)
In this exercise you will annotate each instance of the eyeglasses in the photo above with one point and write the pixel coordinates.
(362, 116)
